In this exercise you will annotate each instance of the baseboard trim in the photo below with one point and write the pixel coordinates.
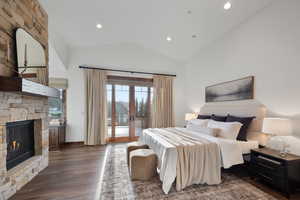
(75, 144)
(79, 142)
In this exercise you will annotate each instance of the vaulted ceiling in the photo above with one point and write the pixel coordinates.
(148, 22)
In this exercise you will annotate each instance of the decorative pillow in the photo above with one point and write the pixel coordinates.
(198, 122)
(204, 117)
(246, 121)
(203, 130)
(228, 130)
(218, 118)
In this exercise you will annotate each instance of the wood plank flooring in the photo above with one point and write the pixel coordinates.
(74, 174)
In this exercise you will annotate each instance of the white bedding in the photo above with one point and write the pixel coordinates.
(231, 153)
(246, 146)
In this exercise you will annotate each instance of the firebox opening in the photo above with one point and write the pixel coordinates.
(20, 142)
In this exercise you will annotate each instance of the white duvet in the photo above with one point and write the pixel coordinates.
(231, 153)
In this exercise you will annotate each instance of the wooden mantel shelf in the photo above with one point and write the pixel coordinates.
(17, 84)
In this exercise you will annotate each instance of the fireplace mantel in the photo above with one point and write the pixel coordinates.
(17, 84)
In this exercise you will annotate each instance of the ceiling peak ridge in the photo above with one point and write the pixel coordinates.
(235, 28)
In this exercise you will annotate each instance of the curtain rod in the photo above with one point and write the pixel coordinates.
(133, 72)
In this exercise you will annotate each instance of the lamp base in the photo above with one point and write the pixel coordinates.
(282, 154)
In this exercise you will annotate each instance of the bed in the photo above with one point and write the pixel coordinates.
(187, 157)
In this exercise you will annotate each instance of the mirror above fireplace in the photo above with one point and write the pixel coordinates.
(31, 57)
(32, 68)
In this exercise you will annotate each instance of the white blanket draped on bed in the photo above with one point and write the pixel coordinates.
(190, 157)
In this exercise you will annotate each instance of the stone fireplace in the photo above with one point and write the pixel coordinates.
(17, 107)
(19, 114)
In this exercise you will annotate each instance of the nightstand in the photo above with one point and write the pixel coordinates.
(282, 173)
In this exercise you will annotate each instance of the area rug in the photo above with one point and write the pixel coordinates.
(116, 184)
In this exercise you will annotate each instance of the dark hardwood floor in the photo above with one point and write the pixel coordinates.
(74, 174)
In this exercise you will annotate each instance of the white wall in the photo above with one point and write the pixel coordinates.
(266, 46)
(60, 46)
(123, 56)
(57, 69)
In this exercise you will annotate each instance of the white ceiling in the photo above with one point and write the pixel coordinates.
(148, 22)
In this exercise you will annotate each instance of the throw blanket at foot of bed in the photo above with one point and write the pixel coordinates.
(189, 159)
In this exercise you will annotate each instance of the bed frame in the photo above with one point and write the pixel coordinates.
(247, 108)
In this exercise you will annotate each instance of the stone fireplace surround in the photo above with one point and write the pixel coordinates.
(18, 107)
(29, 15)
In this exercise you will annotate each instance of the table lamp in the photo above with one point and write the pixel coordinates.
(278, 127)
(190, 116)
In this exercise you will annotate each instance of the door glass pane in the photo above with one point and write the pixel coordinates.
(109, 108)
(142, 109)
(56, 106)
(122, 110)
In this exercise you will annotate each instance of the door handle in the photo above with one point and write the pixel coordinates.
(131, 118)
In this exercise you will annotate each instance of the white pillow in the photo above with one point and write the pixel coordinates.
(228, 130)
(203, 130)
(198, 122)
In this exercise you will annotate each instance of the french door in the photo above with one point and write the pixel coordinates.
(129, 104)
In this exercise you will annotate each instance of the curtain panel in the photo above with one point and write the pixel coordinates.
(95, 107)
(162, 114)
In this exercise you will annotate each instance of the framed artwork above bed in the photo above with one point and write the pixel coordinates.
(240, 89)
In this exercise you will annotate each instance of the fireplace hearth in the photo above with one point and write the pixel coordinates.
(20, 142)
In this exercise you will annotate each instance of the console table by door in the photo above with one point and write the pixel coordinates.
(57, 136)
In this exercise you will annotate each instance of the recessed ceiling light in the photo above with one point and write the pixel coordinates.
(169, 39)
(227, 5)
(99, 26)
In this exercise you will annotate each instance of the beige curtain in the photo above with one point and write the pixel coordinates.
(162, 109)
(95, 113)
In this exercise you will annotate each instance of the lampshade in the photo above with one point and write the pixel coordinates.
(277, 126)
(190, 116)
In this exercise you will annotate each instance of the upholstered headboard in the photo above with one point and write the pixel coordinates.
(241, 109)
